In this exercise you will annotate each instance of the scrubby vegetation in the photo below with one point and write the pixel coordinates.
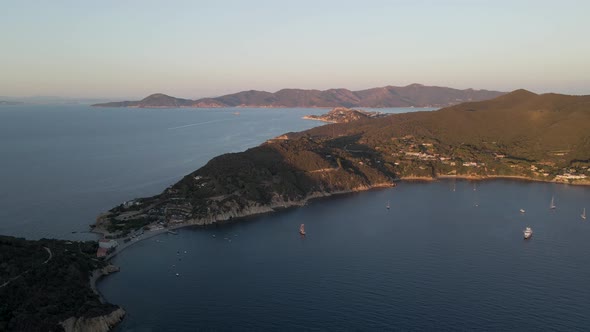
(42, 289)
(543, 137)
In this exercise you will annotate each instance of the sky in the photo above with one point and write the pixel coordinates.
(191, 49)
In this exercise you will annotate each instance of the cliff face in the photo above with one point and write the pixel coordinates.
(93, 324)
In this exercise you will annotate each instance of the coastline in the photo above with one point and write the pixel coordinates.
(97, 275)
(263, 209)
(221, 218)
(307, 117)
(508, 177)
(224, 217)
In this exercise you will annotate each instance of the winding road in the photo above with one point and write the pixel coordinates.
(18, 276)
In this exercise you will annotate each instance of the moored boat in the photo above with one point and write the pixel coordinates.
(528, 232)
(302, 229)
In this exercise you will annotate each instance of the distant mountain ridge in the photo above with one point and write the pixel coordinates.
(413, 95)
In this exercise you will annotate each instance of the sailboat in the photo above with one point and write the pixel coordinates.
(583, 215)
(552, 205)
(302, 229)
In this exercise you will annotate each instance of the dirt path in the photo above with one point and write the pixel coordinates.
(50, 255)
(27, 271)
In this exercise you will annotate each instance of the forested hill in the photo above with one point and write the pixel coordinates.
(46, 282)
(414, 95)
(520, 123)
(541, 137)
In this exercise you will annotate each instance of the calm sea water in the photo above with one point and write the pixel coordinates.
(437, 260)
(62, 165)
(434, 261)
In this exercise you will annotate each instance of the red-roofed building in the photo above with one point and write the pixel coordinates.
(101, 252)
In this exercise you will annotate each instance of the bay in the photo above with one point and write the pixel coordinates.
(437, 260)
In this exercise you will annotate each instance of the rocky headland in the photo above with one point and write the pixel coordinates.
(345, 115)
(102, 323)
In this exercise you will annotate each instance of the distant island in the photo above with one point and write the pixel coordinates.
(9, 103)
(344, 115)
(517, 135)
(414, 95)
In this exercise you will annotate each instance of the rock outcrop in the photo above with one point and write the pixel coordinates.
(93, 324)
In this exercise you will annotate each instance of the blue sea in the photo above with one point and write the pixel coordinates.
(438, 259)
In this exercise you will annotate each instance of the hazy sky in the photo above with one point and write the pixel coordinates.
(126, 49)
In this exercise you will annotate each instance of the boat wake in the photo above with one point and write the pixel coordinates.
(199, 124)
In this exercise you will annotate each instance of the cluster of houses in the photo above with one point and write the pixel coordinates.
(567, 176)
(178, 212)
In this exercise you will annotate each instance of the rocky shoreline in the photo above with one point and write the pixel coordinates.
(94, 324)
(109, 321)
(103, 323)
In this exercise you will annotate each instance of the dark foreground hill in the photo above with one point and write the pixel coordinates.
(414, 95)
(45, 286)
(541, 137)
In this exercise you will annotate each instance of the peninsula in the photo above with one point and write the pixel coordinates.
(414, 95)
(344, 115)
(520, 134)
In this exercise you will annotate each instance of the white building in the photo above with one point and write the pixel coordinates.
(107, 244)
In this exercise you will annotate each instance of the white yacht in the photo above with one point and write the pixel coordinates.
(522, 211)
(528, 232)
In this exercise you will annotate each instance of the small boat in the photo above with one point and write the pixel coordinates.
(522, 211)
(528, 232)
(552, 205)
(236, 113)
(178, 274)
(172, 232)
(302, 229)
(387, 206)
(583, 215)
